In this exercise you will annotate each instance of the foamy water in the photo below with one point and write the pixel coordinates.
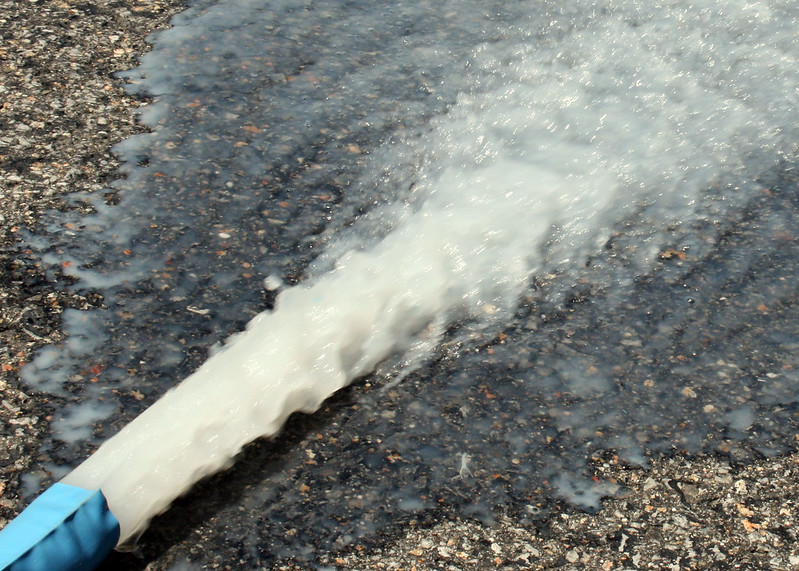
(541, 133)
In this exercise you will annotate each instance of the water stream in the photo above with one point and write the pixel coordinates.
(595, 202)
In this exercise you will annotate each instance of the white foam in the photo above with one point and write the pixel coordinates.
(565, 129)
(75, 422)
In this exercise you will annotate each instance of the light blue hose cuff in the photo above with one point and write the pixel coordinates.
(65, 528)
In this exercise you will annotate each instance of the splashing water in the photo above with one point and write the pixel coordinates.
(561, 145)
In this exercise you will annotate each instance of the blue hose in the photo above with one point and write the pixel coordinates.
(65, 528)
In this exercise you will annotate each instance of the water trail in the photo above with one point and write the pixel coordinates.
(462, 252)
(572, 146)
